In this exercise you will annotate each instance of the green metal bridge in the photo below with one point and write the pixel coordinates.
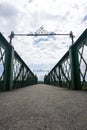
(69, 72)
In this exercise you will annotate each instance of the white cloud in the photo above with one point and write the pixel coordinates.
(24, 16)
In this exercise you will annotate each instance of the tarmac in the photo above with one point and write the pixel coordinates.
(43, 107)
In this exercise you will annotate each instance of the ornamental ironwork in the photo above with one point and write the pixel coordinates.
(42, 32)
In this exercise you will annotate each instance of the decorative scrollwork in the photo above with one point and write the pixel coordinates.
(41, 30)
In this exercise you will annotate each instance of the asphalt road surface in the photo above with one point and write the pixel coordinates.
(43, 107)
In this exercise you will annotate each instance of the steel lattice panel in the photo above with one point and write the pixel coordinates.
(2, 66)
(26, 73)
(82, 52)
(21, 74)
(65, 72)
(57, 76)
(17, 72)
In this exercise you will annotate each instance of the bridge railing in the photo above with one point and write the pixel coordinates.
(71, 70)
(60, 75)
(14, 73)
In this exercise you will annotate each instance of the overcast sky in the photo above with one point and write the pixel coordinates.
(59, 16)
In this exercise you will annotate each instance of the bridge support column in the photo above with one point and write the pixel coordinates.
(75, 73)
(8, 78)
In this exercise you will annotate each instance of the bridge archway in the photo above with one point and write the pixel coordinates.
(41, 32)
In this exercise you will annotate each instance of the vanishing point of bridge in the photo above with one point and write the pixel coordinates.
(44, 107)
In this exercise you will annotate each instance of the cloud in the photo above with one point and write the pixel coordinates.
(29, 1)
(85, 18)
(38, 39)
(7, 10)
(8, 18)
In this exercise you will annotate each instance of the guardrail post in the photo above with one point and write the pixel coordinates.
(48, 79)
(8, 78)
(60, 82)
(75, 73)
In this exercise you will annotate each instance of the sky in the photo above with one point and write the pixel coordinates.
(58, 16)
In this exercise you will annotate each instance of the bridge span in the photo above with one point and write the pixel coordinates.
(43, 107)
(69, 72)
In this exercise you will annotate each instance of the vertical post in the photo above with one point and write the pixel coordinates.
(72, 37)
(54, 78)
(75, 73)
(8, 78)
(22, 84)
(51, 79)
(60, 83)
(11, 36)
(48, 80)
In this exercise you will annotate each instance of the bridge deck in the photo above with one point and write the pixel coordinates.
(43, 107)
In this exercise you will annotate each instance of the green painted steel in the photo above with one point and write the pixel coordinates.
(14, 73)
(71, 70)
(75, 73)
(8, 75)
